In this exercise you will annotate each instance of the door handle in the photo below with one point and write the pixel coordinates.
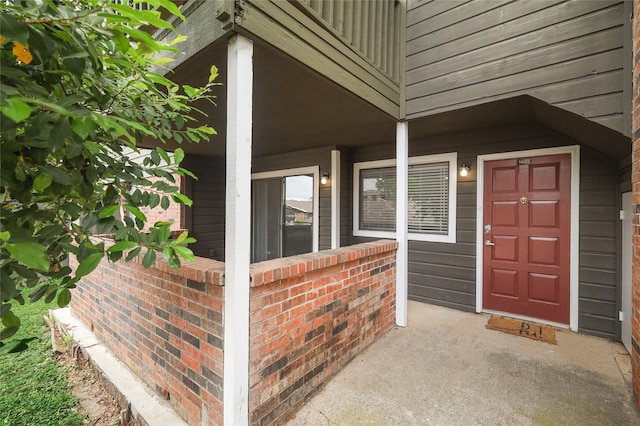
(489, 243)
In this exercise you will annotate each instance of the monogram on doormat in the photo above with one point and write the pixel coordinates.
(522, 328)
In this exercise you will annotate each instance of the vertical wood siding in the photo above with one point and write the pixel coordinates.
(568, 53)
(370, 27)
(445, 274)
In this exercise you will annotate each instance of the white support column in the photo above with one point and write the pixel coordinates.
(402, 199)
(237, 239)
(335, 198)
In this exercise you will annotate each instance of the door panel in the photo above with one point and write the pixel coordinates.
(526, 251)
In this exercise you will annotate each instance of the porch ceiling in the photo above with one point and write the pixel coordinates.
(294, 108)
(525, 109)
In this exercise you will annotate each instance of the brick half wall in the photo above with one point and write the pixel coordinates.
(309, 316)
(165, 324)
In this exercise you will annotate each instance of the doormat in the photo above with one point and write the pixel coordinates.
(522, 328)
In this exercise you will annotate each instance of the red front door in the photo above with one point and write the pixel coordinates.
(526, 232)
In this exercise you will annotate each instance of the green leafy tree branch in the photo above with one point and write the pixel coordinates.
(80, 88)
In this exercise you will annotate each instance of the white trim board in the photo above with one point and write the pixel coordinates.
(335, 198)
(311, 170)
(574, 151)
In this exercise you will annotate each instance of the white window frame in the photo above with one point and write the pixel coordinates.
(451, 158)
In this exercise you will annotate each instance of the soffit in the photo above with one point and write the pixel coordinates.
(294, 108)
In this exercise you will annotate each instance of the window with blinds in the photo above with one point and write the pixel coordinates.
(431, 197)
(428, 208)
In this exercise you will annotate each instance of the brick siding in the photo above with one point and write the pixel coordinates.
(309, 315)
(635, 202)
(165, 324)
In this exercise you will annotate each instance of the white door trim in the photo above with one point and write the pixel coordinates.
(626, 308)
(311, 170)
(574, 151)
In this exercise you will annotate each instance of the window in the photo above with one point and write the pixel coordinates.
(431, 206)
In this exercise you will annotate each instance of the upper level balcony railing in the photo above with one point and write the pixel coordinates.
(370, 27)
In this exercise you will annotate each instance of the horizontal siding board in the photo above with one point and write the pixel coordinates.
(567, 53)
(443, 271)
(598, 292)
(600, 228)
(462, 20)
(431, 49)
(519, 63)
(434, 7)
(524, 83)
(598, 308)
(441, 296)
(597, 326)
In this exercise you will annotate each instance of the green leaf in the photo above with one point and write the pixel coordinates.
(13, 29)
(38, 293)
(42, 182)
(135, 211)
(83, 126)
(178, 155)
(59, 134)
(16, 109)
(208, 130)
(4, 309)
(133, 253)
(184, 253)
(7, 287)
(14, 346)
(10, 320)
(182, 199)
(58, 175)
(165, 202)
(122, 246)
(6, 333)
(108, 211)
(149, 258)
(5, 235)
(90, 263)
(64, 298)
(30, 254)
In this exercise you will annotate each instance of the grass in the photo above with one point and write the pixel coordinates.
(33, 388)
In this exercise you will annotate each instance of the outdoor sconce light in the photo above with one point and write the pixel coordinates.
(325, 178)
(464, 170)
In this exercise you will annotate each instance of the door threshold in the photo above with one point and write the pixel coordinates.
(526, 318)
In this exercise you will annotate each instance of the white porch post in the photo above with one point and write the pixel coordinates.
(335, 198)
(237, 239)
(402, 190)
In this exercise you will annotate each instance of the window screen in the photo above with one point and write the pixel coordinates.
(429, 198)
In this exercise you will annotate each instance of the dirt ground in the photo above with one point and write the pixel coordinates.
(97, 406)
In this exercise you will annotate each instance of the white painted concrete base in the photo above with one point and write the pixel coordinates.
(144, 405)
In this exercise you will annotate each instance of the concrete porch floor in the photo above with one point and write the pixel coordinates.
(446, 368)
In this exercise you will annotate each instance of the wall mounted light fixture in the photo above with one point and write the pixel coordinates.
(325, 178)
(464, 170)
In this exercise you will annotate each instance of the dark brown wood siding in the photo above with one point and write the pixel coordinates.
(599, 216)
(445, 274)
(205, 219)
(569, 53)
